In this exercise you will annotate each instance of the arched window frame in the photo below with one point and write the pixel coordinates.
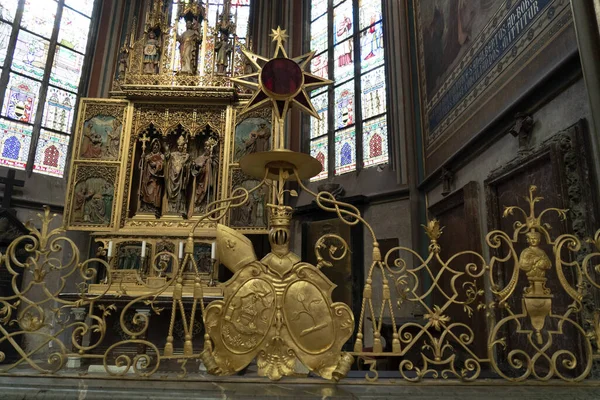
(329, 135)
(48, 75)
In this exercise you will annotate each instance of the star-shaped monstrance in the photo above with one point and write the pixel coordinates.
(281, 81)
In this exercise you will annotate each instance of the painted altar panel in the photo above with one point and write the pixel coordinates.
(95, 187)
(252, 132)
(92, 190)
(471, 50)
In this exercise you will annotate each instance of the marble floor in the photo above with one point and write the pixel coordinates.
(51, 388)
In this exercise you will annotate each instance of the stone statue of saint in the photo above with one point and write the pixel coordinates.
(189, 41)
(153, 177)
(204, 171)
(151, 54)
(223, 46)
(177, 173)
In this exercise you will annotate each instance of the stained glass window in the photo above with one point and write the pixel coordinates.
(373, 93)
(371, 47)
(35, 102)
(51, 153)
(30, 55)
(20, 100)
(8, 8)
(83, 6)
(356, 64)
(15, 139)
(317, 8)
(375, 143)
(319, 126)
(369, 12)
(74, 29)
(58, 111)
(318, 149)
(39, 16)
(318, 37)
(342, 16)
(344, 105)
(5, 30)
(66, 69)
(345, 151)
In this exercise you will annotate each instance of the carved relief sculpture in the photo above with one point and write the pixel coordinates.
(153, 178)
(101, 138)
(177, 173)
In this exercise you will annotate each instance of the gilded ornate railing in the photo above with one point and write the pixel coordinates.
(524, 312)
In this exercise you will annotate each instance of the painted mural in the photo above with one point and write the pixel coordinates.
(469, 50)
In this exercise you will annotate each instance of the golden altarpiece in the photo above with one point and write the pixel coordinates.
(147, 162)
(180, 160)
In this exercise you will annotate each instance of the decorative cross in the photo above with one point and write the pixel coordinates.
(144, 139)
(9, 182)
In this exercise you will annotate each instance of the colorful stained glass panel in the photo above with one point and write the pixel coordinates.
(369, 12)
(30, 55)
(74, 29)
(318, 35)
(375, 142)
(66, 69)
(5, 30)
(51, 154)
(344, 105)
(319, 67)
(59, 110)
(371, 47)
(317, 8)
(343, 57)
(242, 16)
(83, 6)
(342, 21)
(318, 127)
(318, 149)
(20, 100)
(8, 8)
(39, 16)
(345, 151)
(15, 139)
(373, 93)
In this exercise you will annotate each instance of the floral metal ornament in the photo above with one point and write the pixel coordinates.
(280, 81)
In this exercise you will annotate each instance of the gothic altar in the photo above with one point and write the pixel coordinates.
(147, 162)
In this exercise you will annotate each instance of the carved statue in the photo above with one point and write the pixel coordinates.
(189, 41)
(123, 62)
(277, 310)
(177, 173)
(223, 46)
(533, 260)
(151, 54)
(204, 171)
(153, 177)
